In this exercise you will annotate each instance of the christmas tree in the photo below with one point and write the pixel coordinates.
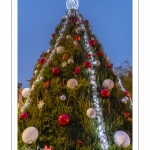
(75, 100)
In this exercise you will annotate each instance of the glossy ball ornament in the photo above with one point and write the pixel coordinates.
(87, 64)
(72, 83)
(68, 37)
(97, 63)
(25, 92)
(104, 93)
(49, 50)
(92, 42)
(91, 113)
(42, 61)
(76, 70)
(36, 71)
(108, 65)
(30, 135)
(63, 119)
(121, 138)
(53, 35)
(78, 29)
(56, 71)
(124, 100)
(77, 38)
(70, 61)
(78, 142)
(60, 49)
(126, 93)
(108, 84)
(100, 53)
(23, 116)
(75, 20)
(62, 97)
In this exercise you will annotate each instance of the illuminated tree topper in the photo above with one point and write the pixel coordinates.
(72, 4)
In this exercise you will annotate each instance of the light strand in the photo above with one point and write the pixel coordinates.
(101, 129)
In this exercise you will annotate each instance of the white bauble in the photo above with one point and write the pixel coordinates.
(91, 113)
(71, 83)
(25, 92)
(97, 62)
(108, 84)
(64, 17)
(62, 97)
(124, 100)
(68, 36)
(70, 61)
(36, 71)
(60, 49)
(30, 135)
(48, 51)
(78, 29)
(121, 138)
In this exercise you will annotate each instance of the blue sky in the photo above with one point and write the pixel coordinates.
(110, 20)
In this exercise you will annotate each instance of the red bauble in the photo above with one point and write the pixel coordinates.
(78, 142)
(77, 38)
(53, 35)
(23, 116)
(100, 53)
(126, 93)
(126, 114)
(75, 20)
(86, 21)
(56, 71)
(88, 55)
(63, 119)
(92, 42)
(87, 64)
(76, 70)
(42, 61)
(104, 93)
(108, 65)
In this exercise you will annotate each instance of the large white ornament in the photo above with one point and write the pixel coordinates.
(36, 71)
(30, 135)
(78, 29)
(124, 99)
(72, 4)
(60, 49)
(71, 83)
(25, 92)
(108, 84)
(70, 61)
(91, 113)
(121, 138)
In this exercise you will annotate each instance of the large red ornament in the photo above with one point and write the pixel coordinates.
(126, 93)
(100, 53)
(23, 116)
(53, 35)
(76, 70)
(92, 42)
(86, 21)
(75, 20)
(87, 64)
(104, 93)
(42, 61)
(126, 114)
(77, 38)
(46, 147)
(63, 119)
(56, 71)
(78, 142)
(88, 55)
(108, 65)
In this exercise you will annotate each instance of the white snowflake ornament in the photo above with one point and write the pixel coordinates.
(75, 43)
(40, 105)
(64, 64)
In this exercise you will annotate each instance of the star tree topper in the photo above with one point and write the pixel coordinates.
(72, 4)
